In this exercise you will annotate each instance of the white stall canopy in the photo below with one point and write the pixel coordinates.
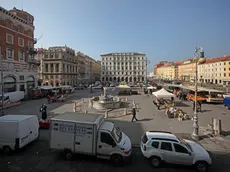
(163, 94)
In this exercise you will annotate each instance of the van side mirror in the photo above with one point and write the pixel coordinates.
(190, 153)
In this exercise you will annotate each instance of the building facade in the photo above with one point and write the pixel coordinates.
(128, 67)
(96, 70)
(167, 71)
(17, 50)
(215, 70)
(59, 66)
(186, 71)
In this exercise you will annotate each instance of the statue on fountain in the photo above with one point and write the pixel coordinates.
(105, 92)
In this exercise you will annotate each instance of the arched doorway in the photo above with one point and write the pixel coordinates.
(118, 79)
(40, 82)
(122, 79)
(130, 79)
(143, 79)
(126, 79)
(110, 79)
(106, 79)
(114, 78)
(30, 81)
(103, 79)
(9, 84)
(135, 79)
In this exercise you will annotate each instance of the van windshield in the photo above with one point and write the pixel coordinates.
(117, 134)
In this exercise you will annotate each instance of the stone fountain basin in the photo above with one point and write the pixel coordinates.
(100, 105)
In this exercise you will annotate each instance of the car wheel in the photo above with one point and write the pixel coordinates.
(117, 160)
(155, 161)
(201, 166)
(68, 155)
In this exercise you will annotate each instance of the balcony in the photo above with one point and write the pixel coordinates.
(33, 61)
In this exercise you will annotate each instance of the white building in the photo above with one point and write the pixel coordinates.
(128, 67)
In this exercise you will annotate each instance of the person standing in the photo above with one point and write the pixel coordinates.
(134, 114)
(43, 110)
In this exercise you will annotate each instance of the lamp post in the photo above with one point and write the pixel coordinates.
(146, 77)
(2, 81)
(199, 58)
(91, 87)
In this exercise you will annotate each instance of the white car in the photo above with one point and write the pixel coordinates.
(160, 146)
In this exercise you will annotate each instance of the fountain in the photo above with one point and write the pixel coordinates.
(105, 101)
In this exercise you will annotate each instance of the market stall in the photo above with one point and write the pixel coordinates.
(162, 93)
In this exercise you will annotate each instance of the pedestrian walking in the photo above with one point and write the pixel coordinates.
(134, 115)
(43, 110)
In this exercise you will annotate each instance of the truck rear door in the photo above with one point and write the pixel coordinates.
(62, 135)
(84, 138)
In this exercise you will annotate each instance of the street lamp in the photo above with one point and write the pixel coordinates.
(146, 77)
(199, 58)
(2, 81)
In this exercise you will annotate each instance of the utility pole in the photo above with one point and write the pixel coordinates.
(91, 87)
(2, 81)
(146, 77)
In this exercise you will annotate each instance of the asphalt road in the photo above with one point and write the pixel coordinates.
(37, 158)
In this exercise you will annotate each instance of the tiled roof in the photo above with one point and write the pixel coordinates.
(218, 59)
(179, 63)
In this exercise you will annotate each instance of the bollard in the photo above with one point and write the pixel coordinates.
(134, 102)
(106, 114)
(217, 126)
(126, 99)
(125, 111)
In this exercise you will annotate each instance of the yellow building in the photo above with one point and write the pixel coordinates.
(215, 70)
(96, 70)
(167, 71)
(186, 71)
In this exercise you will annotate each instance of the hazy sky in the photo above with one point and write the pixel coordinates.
(163, 29)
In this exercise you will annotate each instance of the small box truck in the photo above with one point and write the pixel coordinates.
(17, 131)
(90, 134)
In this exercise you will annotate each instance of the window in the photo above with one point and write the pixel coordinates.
(107, 139)
(46, 67)
(20, 42)
(166, 146)
(180, 149)
(30, 45)
(9, 53)
(9, 39)
(21, 55)
(224, 69)
(21, 77)
(224, 74)
(155, 144)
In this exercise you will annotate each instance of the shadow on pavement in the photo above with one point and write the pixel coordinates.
(225, 133)
(145, 119)
(181, 104)
(205, 110)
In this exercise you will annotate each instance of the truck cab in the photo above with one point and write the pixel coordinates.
(113, 144)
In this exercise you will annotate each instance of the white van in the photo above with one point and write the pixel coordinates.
(15, 96)
(86, 133)
(16, 131)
